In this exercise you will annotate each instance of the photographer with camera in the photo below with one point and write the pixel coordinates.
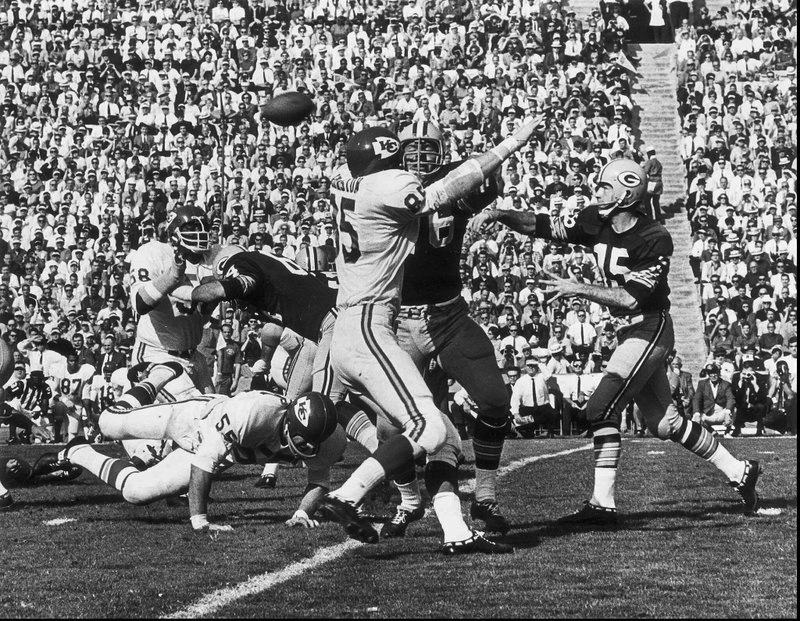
(782, 415)
(750, 393)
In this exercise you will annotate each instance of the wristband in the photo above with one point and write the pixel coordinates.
(199, 521)
(506, 148)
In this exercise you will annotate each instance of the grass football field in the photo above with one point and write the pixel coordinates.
(684, 549)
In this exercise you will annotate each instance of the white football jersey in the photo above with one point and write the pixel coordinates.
(245, 427)
(378, 219)
(172, 324)
(76, 385)
(102, 392)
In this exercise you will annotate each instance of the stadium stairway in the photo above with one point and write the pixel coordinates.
(659, 127)
(582, 8)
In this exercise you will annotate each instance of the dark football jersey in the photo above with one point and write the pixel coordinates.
(431, 271)
(279, 287)
(637, 260)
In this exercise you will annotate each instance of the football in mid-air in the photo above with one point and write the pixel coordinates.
(288, 108)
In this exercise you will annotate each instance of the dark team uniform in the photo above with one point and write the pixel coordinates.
(434, 320)
(637, 261)
(280, 287)
(303, 301)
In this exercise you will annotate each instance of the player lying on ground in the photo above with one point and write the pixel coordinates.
(213, 432)
(378, 213)
(633, 253)
(9, 417)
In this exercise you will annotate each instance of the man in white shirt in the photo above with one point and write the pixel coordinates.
(582, 334)
(530, 402)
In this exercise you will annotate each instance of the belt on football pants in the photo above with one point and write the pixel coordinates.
(186, 353)
(423, 310)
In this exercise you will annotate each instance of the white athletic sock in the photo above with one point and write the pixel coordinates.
(485, 485)
(3, 490)
(363, 479)
(604, 482)
(730, 466)
(410, 497)
(448, 511)
(270, 469)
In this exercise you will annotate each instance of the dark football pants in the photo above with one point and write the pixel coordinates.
(463, 350)
(637, 371)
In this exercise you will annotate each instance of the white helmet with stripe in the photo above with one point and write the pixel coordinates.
(422, 145)
(628, 183)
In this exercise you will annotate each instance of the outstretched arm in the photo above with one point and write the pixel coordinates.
(617, 297)
(468, 177)
(520, 221)
(209, 292)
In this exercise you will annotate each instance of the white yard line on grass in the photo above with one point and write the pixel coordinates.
(213, 602)
(59, 521)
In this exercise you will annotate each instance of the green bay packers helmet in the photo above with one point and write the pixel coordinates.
(372, 150)
(628, 183)
(220, 255)
(188, 230)
(422, 144)
(309, 421)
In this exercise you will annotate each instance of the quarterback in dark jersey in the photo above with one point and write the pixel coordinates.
(633, 253)
(434, 323)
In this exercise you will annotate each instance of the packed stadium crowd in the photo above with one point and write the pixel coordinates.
(117, 114)
(738, 106)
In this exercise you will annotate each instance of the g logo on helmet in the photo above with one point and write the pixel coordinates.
(385, 147)
(629, 179)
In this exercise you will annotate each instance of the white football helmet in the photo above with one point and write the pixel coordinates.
(628, 183)
(422, 145)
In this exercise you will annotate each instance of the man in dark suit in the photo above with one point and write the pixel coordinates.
(111, 358)
(750, 391)
(713, 401)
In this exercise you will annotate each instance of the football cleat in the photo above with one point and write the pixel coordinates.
(6, 502)
(476, 543)
(489, 512)
(63, 454)
(590, 516)
(747, 486)
(347, 515)
(396, 527)
(267, 481)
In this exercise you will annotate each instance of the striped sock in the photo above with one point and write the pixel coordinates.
(607, 449)
(485, 485)
(361, 429)
(410, 496)
(114, 472)
(702, 443)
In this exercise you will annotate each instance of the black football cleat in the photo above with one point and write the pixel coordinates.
(347, 515)
(747, 486)
(63, 454)
(267, 481)
(489, 512)
(396, 527)
(6, 502)
(476, 543)
(591, 516)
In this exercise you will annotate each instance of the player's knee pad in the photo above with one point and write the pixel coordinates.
(604, 407)
(430, 433)
(669, 426)
(136, 491)
(451, 450)
(492, 428)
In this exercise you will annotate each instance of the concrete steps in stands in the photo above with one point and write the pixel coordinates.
(582, 8)
(655, 94)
